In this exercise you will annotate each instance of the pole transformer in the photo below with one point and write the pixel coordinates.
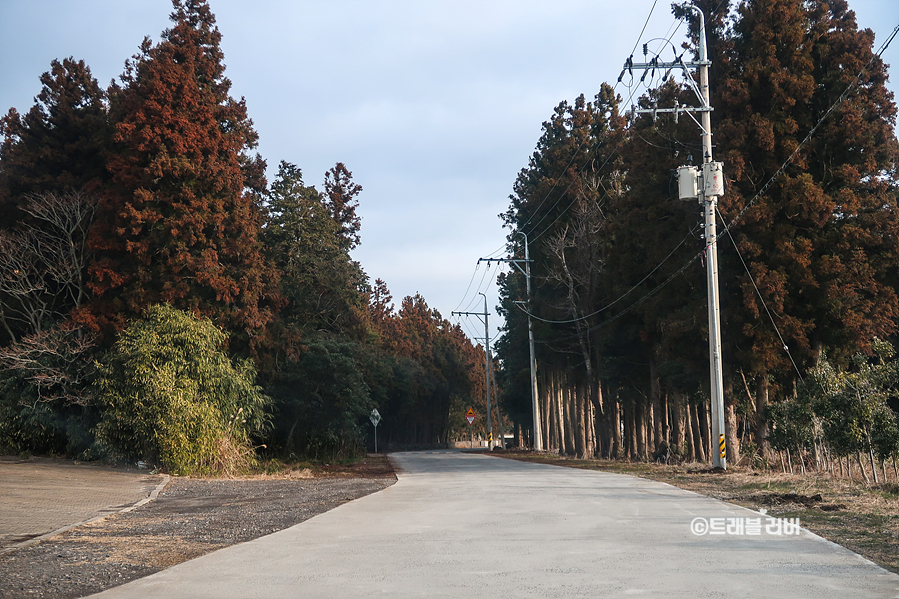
(706, 186)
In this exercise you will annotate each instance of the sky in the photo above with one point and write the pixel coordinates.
(435, 106)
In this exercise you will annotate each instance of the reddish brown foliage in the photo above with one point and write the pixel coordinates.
(177, 225)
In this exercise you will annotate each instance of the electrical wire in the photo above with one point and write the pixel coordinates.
(480, 286)
(521, 226)
(759, 293)
(539, 205)
(811, 133)
(645, 297)
(625, 294)
(633, 90)
(467, 289)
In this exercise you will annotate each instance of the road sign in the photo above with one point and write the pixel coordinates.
(375, 418)
(470, 416)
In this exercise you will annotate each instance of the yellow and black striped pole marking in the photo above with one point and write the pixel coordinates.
(723, 446)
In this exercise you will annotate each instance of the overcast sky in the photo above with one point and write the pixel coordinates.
(433, 105)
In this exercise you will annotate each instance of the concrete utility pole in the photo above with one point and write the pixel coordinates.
(483, 316)
(537, 437)
(487, 347)
(708, 192)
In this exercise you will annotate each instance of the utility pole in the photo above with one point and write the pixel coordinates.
(483, 317)
(537, 435)
(487, 346)
(707, 193)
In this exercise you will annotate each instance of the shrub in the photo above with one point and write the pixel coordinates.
(172, 397)
(46, 405)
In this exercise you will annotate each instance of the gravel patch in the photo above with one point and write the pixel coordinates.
(190, 517)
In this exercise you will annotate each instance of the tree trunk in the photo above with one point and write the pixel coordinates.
(733, 439)
(630, 434)
(590, 415)
(705, 429)
(690, 446)
(698, 445)
(561, 423)
(655, 393)
(677, 424)
(552, 414)
(568, 397)
(580, 407)
(858, 458)
(546, 414)
(640, 430)
(666, 419)
(873, 465)
(761, 421)
(615, 425)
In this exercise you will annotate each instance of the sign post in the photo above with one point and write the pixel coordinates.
(470, 416)
(375, 418)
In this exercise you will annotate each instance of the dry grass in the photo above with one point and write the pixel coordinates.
(860, 517)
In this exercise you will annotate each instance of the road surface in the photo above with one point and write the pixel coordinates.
(462, 525)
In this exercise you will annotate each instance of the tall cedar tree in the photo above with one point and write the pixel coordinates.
(340, 197)
(308, 236)
(52, 163)
(179, 224)
(652, 227)
(59, 145)
(560, 200)
(821, 242)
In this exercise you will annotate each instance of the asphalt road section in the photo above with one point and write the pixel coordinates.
(467, 525)
(41, 497)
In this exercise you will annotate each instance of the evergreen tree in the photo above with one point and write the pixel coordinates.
(59, 145)
(340, 197)
(305, 240)
(179, 224)
(818, 239)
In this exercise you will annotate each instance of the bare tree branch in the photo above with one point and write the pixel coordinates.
(57, 362)
(43, 265)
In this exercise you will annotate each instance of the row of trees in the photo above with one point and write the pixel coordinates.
(808, 265)
(160, 300)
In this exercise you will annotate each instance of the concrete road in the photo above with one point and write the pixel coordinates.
(464, 525)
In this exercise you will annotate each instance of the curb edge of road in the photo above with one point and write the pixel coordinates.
(153, 495)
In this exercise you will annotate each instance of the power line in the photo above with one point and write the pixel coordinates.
(759, 293)
(811, 133)
(467, 289)
(574, 155)
(625, 294)
(645, 297)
